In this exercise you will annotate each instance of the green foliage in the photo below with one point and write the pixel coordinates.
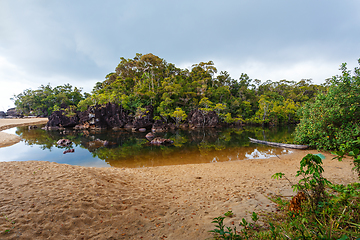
(46, 99)
(329, 211)
(352, 149)
(334, 117)
(84, 104)
(148, 79)
(229, 214)
(179, 115)
(223, 232)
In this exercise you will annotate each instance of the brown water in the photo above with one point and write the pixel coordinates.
(128, 149)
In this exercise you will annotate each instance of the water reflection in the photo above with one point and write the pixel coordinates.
(129, 149)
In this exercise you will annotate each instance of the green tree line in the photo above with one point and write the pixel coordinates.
(174, 92)
(46, 99)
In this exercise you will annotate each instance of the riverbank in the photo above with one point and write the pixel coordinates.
(6, 123)
(58, 201)
(43, 200)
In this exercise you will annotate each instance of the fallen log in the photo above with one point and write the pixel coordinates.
(274, 144)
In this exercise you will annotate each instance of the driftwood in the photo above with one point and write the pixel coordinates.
(278, 144)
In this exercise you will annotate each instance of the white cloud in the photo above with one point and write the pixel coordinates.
(14, 80)
(81, 42)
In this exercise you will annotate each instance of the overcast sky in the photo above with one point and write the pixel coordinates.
(80, 42)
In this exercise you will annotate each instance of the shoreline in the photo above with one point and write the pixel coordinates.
(42, 200)
(6, 123)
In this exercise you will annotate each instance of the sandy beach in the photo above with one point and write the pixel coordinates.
(43, 200)
(10, 139)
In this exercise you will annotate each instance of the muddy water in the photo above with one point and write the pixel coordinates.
(129, 149)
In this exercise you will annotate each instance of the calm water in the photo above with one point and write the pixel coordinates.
(128, 149)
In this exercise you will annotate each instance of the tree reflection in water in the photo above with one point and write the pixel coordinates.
(131, 149)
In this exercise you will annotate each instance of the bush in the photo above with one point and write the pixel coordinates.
(326, 210)
(334, 117)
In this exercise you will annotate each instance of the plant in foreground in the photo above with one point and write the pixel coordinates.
(324, 211)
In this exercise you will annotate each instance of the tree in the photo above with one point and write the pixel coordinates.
(179, 115)
(46, 99)
(334, 117)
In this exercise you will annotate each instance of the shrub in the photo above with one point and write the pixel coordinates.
(334, 117)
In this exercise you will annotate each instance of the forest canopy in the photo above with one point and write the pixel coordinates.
(174, 92)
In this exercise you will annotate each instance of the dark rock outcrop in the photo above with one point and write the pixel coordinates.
(198, 118)
(59, 119)
(145, 118)
(109, 116)
(12, 112)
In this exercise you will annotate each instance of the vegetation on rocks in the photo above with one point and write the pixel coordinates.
(174, 93)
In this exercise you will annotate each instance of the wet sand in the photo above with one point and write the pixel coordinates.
(10, 139)
(43, 200)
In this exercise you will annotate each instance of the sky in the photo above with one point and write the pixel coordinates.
(80, 42)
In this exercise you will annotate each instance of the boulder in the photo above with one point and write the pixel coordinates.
(150, 136)
(69, 151)
(198, 118)
(161, 141)
(64, 142)
(2, 114)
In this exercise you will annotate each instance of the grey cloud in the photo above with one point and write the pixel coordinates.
(84, 39)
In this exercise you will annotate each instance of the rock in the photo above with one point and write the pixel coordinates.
(184, 126)
(150, 136)
(159, 126)
(161, 141)
(97, 143)
(59, 119)
(12, 112)
(142, 129)
(32, 127)
(110, 116)
(198, 118)
(69, 151)
(129, 125)
(64, 142)
(144, 119)
(86, 125)
(2, 114)
(95, 117)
